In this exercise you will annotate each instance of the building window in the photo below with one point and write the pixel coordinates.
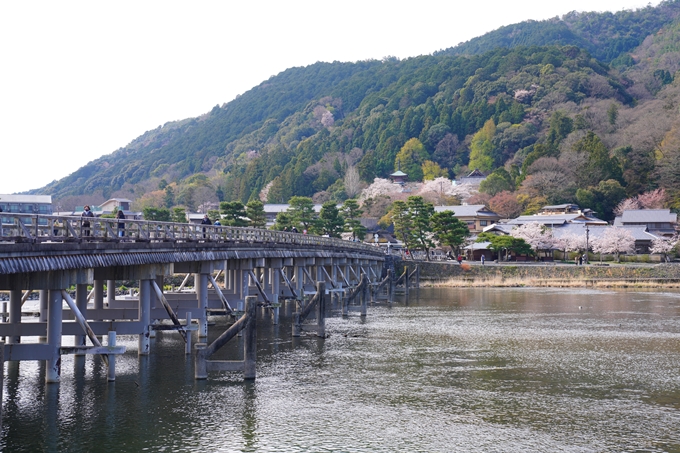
(482, 223)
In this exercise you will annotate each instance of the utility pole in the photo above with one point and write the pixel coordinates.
(587, 237)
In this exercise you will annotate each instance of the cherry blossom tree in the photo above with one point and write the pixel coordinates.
(629, 204)
(655, 199)
(379, 187)
(614, 240)
(538, 236)
(663, 246)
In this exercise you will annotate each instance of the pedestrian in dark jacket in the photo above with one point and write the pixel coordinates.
(120, 215)
(205, 221)
(87, 213)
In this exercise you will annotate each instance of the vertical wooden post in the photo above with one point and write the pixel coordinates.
(250, 339)
(200, 364)
(364, 297)
(54, 318)
(81, 303)
(187, 346)
(15, 313)
(112, 357)
(321, 310)
(345, 305)
(417, 276)
(407, 282)
(390, 286)
(111, 292)
(201, 286)
(144, 316)
(275, 280)
(2, 375)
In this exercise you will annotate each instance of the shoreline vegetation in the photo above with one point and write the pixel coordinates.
(443, 275)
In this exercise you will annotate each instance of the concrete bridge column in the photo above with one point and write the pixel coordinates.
(111, 292)
(81, 303)
(144, 316)
(245, 266)
(44, 301)
(54, 322)
(15, 312)
(300, 264)
(99, 294)
(274, 272)
(201, 282)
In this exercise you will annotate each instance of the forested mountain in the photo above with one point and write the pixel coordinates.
(578, 109)
(607, 36)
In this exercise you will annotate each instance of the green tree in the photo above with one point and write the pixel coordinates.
(401, 219)
(421, 214)
(169, 198)
(282, 222)
(600, 165)
(410, 159)
(301, 211)
(255, 212)
(498, 181)
(330, 220)
(602, 198)
(432, 170)
(179, 215)
(233, 213)
(449, 230)
(157, 214)
(481, 148)
(351, 212)
(500, 243)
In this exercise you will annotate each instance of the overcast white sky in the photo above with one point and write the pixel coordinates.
(80, 79)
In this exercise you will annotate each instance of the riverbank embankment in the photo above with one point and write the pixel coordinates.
(451, 274)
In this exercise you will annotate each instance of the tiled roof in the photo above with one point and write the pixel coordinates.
(648, 216)
(468, 210)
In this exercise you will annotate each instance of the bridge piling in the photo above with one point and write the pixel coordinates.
(54, 315)
(145, 316)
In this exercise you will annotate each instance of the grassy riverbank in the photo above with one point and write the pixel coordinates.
(446, 274)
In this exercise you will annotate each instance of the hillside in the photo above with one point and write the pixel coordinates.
(554, 122)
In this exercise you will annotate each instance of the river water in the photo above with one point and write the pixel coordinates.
(453, 370)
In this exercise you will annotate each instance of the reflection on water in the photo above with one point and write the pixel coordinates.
(474, 370)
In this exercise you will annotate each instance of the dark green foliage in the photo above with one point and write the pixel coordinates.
(351, 212)
(607, 36)
(233, 214)
(602, 198)
(502, 243)
(330, 221)
(272, 134)
(449, 230)
(157, 214)
(255, 213)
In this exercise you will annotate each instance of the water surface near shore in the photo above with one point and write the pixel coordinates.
(456, 369)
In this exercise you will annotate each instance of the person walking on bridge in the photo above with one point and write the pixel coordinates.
(87, 213)
(205, 221)
(120, 215)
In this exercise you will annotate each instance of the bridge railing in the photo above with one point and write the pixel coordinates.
(36, 228)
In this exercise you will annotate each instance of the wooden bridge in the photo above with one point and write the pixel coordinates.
(73, 266)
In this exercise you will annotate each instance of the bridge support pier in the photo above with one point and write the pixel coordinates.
(201, 283)
(145, 316)
(81, 303)
(15, 312)
(44, 300)
(55, 316)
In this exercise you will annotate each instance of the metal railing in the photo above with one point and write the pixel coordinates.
(36, 228)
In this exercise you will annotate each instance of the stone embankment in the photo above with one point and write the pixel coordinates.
(530, 274)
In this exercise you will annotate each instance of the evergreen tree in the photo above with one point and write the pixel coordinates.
(351, 212)
(255, 212)
(330, 221)
(233, 213)
(449, 230)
